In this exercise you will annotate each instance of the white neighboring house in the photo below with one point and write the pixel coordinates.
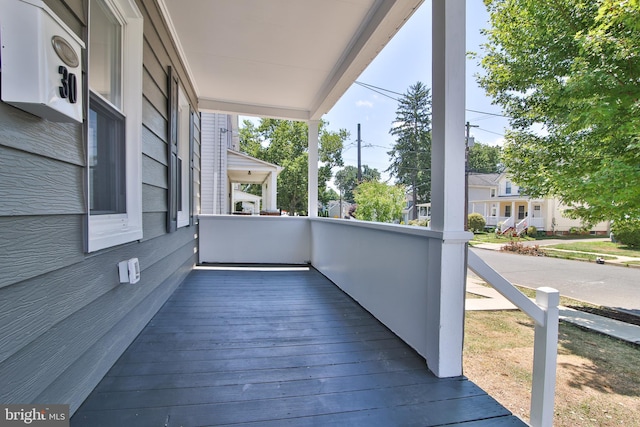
(498, 199)
(225, 169)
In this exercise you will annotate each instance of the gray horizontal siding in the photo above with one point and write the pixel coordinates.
(34, 185)
(84, 328)
(86, 372)
(153, 146)
(50, 298)
(153, 120)
(154, 199)
(154, 225)
(31, 246)
(64, 317)
(24, 131)
(153, 172)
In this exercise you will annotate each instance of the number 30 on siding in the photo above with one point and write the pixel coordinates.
(69, 88)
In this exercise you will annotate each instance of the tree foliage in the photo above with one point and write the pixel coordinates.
(286, 143)
(485, 159)
(411, 153)
(380, 202)
(347, 179)
(570, 68)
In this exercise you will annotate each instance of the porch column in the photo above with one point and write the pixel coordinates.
(312, 203)
(272, 190)
(447, 258)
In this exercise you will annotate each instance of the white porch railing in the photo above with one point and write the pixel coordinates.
(522, 225)
(537, 222)
(507, 224)
(544, 313)
(394, 271)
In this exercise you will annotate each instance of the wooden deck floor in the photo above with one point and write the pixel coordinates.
(276, 348)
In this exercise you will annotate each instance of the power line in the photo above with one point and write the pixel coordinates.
(368, 86)
(378, 89)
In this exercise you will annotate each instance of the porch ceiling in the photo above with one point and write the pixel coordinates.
(288, 59)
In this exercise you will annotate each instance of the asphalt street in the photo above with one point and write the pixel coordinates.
(607, 285)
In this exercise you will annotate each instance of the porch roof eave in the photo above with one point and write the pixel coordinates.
(286, 59)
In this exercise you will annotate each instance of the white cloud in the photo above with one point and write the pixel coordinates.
(362, 103)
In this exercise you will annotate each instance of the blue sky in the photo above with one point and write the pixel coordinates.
(402, 63)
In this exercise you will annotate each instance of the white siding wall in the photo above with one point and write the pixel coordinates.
(217, 134)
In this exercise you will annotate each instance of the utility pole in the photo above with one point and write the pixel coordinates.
(468, 142)
(359, 157)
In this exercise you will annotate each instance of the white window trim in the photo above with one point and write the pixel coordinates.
(105, 231)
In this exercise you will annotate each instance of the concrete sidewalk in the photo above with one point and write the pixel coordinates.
(490, 299)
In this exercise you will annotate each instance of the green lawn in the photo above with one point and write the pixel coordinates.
(496, 238)
(604, 247)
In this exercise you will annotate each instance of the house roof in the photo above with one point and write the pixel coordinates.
(484, 179)
(289, 59)
(248, 170)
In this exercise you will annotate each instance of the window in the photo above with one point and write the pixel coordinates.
(507, 211)
(494, 210)
(507, 187)
(493, 192)
(536, 211)
(521, 213)
(114, 124)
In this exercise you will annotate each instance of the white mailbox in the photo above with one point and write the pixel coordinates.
(40, 61)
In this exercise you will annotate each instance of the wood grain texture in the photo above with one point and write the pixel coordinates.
(35, 185)
(253, 348)
(154, 224)
(26, 132)
(35, 245)
(154, 199)
(153, 94)
(67, 340)
(153, 120)
(29, 308)
(153, 172)
(83, 375)
(153, 146)
(159, 39)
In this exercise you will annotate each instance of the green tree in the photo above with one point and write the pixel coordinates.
(485, 159)
(285, 143)
(347, 179)
(379, 202)
(411, 153)
(570, 67)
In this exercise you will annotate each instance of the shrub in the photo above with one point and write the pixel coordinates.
(476, 222)
(532, 231)
(419, 222)
(627, 232)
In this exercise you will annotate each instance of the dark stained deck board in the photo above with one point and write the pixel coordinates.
(276, 348)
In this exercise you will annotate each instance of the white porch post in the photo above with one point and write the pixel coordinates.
(312, 203)
(447, 258)
(273, 192)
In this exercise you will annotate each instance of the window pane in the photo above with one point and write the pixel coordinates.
(107, 183)
(105, 53)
